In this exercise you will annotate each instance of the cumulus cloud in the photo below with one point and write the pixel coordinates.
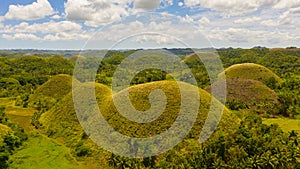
(287, 4)
(243, 36)
(56, 17)
(36, 10)
(21, 36)
(101, 12)
(204, 21)
(47, 27)
(47, 31)
(1, 20)
(146, 5)
(96, 12)
(247, 20)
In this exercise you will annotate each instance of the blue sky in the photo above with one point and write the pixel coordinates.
(101, 24)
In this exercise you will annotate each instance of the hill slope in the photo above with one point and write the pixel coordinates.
(61, 121)
(251, 94)
(51, 92)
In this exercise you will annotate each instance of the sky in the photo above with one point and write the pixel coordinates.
(108, 24)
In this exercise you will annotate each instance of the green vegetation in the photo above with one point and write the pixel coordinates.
(286, 124)
(39, 127)
(11, 138)
(41, 153)
(251, 71)
(250, 94)
(51, 92)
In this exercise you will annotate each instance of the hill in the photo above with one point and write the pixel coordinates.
(251, 71)
(61, 122)
(51, 92)
(252, 94)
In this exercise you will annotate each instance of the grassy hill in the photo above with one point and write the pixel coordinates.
(251, 94)
(61, 122)
(51, 91)
(250, 71)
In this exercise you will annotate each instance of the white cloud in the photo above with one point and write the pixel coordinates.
(287, 4)
(186, 19)
(161, 32)
(204, 21)
(269, 22)
(34, 11)
(247, 20)
(158, 39)
(96, 12)
(21, 36)
(180, 3)
(295, 10)
(1, 20)
(247, 37)
(47, 27)
(56, 17)
(146, 5)
(64, 36)
(48, 31)
(192, 3)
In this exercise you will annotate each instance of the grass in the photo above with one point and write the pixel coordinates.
(22, 121)
(285, 124)
(20, 116)
(250, 71)
(7, 101)
(41, 153)
(52, 91)
(19, 111)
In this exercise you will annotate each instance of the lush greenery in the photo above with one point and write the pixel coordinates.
(35, 94)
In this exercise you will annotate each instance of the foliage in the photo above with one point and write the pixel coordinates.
(250, 145)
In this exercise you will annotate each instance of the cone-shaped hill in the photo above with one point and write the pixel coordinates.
(50, 92)
(247, 93)
(61, 121)
(250, 71)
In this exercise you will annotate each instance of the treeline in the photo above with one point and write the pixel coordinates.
(23, 74)
(252, 144)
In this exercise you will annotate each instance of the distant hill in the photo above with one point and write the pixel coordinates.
(250, 71)
(250, 94)
(52, 91)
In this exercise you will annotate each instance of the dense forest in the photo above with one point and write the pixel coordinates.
(258, 130)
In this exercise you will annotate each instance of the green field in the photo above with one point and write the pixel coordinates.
(285, 124)
(42, 153)
(7, 101)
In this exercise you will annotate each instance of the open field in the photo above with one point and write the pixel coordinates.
(7, 102)
(42, 153)
(285, 124)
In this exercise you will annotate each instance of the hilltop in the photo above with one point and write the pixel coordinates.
(51, 91)
(250, 71)
(61, 121)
